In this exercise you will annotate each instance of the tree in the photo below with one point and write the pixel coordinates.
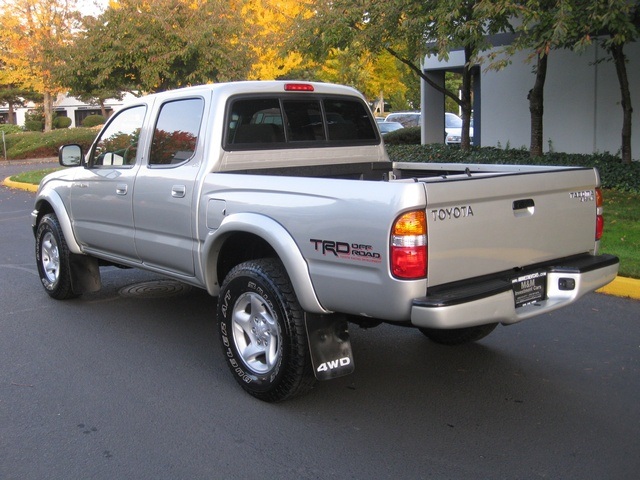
(408, 29)
(267, 25)
(14, 97)
(618, 23)
(150, 46)
(546, 25)
(31, 34)
(540, 26)
(82, 71)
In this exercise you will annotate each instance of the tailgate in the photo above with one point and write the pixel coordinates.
(481, 224)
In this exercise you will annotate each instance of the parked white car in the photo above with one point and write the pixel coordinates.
(452, 124)
(453, 129)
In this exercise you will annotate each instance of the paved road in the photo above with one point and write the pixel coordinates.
(130, 384)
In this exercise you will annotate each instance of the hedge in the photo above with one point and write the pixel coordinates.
(41, 145)
(93, 120)
(613, 173)
(61, 122)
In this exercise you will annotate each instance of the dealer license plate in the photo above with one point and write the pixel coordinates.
(529, 289)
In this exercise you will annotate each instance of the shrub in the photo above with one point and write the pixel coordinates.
(41, 145)
(93, 120)
(403, 136)
(33, 125)
(61, 122)
(35, 114)
(8, 128)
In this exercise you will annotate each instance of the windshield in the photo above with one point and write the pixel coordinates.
(452, 121)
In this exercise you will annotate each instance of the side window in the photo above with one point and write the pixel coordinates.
(176, 134)
(117, 145)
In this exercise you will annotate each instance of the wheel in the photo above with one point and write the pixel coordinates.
(262, 329)
(52, 257)
(459, 336)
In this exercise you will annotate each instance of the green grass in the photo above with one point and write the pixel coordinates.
(622, 230)
(33, 176)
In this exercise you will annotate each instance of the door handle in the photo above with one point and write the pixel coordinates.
(524, 208)
(121, 189)
(523, 204)
(178, 191)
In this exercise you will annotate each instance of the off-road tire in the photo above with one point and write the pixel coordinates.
(262, 330)
(52, 258)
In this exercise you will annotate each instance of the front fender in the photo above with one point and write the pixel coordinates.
(279, 239)
(50, 196)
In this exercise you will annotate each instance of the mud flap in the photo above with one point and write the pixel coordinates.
(85, 274)
(329, 344)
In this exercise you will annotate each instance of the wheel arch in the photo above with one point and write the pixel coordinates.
(248, 236)
(49, 201)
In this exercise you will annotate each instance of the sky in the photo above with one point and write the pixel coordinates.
(92, 7)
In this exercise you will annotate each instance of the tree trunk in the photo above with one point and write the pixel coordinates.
(48, 111)
(11, 117)
(536, 107)
(620, 61)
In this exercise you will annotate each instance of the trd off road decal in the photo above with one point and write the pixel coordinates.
(348, 251)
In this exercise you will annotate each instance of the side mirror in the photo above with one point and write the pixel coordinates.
(70, 155)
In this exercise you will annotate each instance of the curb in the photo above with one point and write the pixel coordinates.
(619, 287)
(622, 287)
(19, 185)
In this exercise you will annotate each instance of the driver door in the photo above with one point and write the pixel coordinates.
(102, 193)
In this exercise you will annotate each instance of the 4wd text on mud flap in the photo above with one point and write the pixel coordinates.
(326, 366)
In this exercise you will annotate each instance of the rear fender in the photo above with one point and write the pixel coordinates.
(279, 239)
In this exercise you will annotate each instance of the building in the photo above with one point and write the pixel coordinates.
(582, 111)
(66, 106)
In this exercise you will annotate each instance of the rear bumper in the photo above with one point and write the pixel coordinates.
(491, 299)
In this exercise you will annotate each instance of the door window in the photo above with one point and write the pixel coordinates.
(117, 145)
(176, 134)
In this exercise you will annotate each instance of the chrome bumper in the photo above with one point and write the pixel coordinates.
(492, 300)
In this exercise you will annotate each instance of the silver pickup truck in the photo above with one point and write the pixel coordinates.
(278, 198)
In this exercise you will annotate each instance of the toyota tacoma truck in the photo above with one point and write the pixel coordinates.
(279, 199)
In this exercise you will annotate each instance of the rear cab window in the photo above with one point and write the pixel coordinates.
(292, 121)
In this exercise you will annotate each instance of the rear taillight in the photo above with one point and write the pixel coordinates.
(599, 217)
(409, 246)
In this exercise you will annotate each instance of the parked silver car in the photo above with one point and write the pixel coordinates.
(386, 127)
(407, 119)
